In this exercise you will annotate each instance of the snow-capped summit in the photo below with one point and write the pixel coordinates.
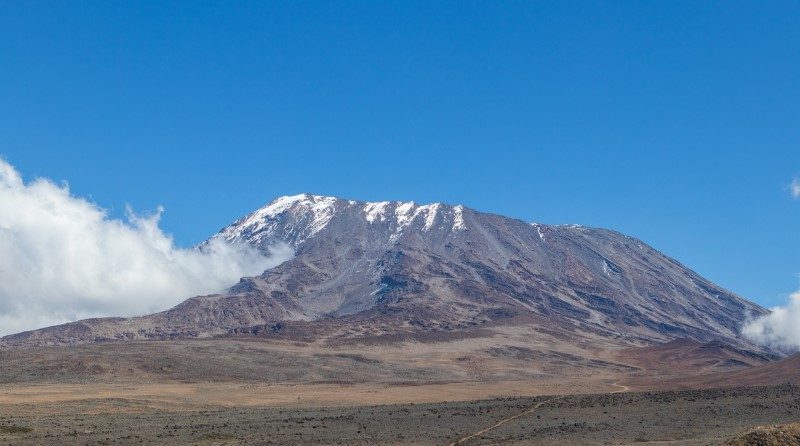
(314, 211)
(298, 218)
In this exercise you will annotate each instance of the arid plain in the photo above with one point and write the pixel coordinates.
(474, 390)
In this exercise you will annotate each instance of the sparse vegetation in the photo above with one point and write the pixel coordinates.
(14, 429)
(219, 439)
(710, 416)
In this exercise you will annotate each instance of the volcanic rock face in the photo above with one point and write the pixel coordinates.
(365, 269)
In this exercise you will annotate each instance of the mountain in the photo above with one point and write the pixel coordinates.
(398, 270)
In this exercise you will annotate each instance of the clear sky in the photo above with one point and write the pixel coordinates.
(676, 122)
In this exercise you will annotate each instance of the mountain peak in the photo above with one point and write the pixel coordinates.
(298, 218)
(285, 202)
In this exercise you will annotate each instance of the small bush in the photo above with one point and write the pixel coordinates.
(14, 430)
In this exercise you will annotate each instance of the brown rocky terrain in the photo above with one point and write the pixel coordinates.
(780, 435)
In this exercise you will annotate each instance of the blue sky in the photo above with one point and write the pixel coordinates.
(676, 122)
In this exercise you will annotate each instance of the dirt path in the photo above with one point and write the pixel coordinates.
(522, 414)
(502, 422)
(621, 388)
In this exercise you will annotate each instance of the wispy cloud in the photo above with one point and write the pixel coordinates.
(63, 258)
(794, 188)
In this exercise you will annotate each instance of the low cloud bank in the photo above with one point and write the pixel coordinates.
(63, 258)
(779, 328)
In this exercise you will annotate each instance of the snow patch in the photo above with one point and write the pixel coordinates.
(322, 210)
(606, 269)
(538, 230)
(458, 218)
(376, 211)
(430, 219)
(404, 213)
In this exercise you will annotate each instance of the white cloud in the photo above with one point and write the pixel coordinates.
(779, 328)
(63, 258)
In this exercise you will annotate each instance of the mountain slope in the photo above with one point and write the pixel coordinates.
(376, 269)
(683, 356)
